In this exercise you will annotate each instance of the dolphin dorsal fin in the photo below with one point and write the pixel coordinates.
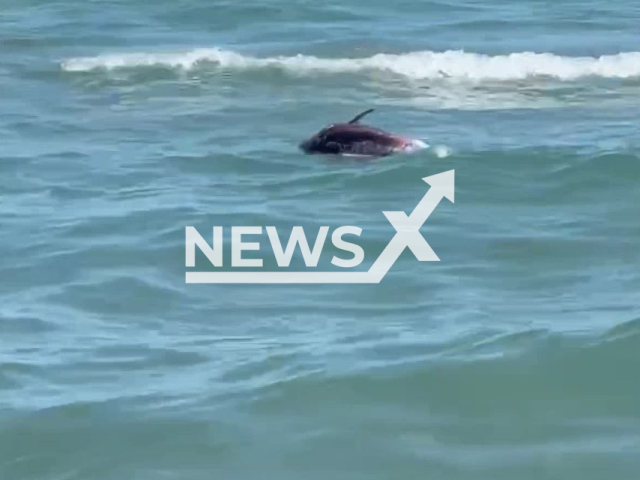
(359, 116)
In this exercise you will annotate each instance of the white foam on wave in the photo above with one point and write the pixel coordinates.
(415, 65)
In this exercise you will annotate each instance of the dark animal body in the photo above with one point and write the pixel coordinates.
(354, 138)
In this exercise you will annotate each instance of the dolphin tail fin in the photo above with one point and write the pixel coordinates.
(359, 116)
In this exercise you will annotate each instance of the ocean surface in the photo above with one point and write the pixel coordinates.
(515, 357)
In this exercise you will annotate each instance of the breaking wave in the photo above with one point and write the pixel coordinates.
(414, 65)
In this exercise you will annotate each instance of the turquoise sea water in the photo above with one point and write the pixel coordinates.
(516, 357)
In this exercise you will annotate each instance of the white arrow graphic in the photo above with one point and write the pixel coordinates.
(408, 228)
(407, 235)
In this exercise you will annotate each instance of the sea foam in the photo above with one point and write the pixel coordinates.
(414, 65)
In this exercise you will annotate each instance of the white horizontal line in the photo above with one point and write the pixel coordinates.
(283, 277)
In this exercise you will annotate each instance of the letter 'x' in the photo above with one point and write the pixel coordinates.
(409, 235)
(408, 227)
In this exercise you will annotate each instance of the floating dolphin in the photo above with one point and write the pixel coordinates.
(354, 138)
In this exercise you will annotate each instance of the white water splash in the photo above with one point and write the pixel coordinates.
(441, 151)
(414, 65)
